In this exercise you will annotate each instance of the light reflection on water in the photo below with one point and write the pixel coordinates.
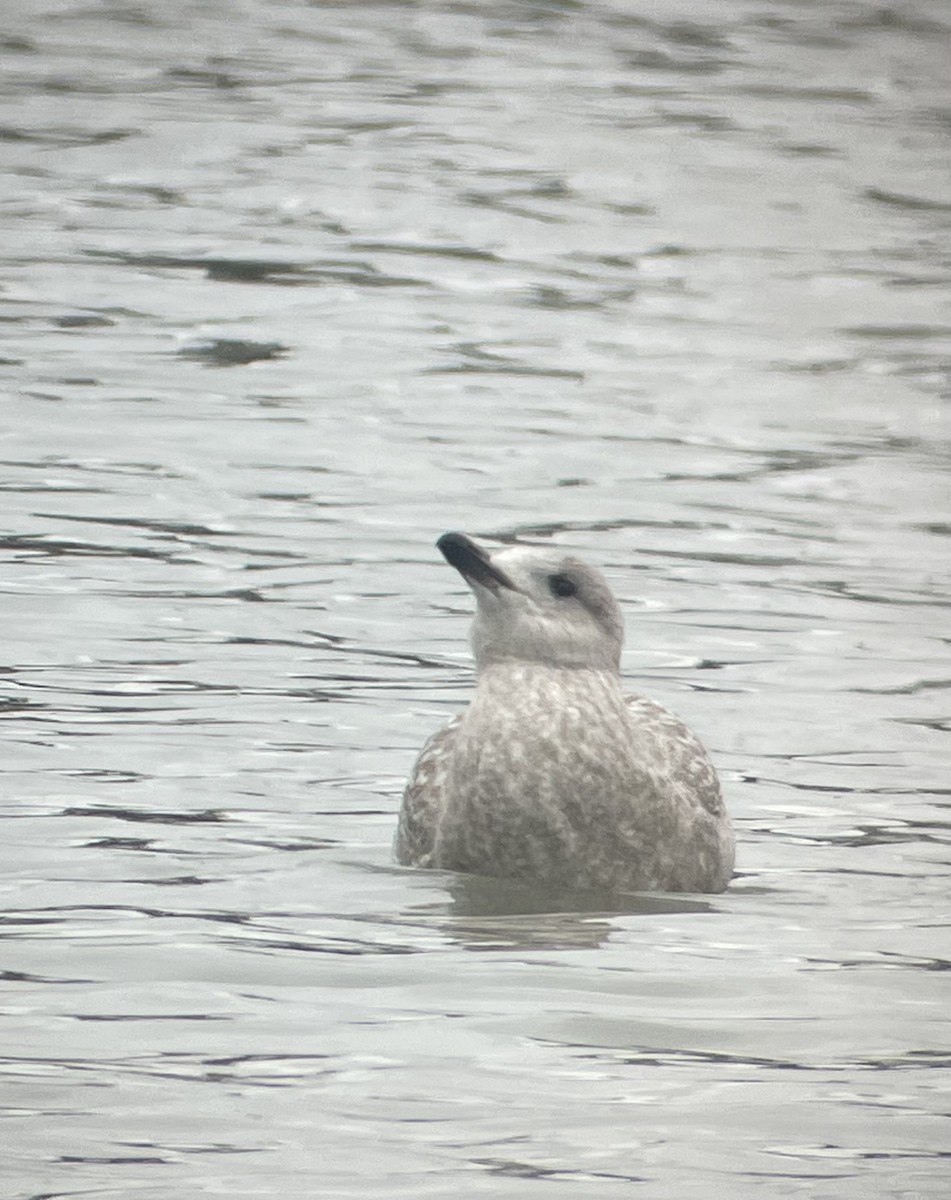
(289, 291)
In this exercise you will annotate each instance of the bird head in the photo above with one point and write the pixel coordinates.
(537, 605)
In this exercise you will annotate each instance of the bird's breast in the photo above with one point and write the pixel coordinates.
(541, 738)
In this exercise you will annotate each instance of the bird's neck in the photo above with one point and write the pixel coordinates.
(513, 677)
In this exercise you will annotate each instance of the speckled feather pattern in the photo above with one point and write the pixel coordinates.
(555, 775)
(552, 773)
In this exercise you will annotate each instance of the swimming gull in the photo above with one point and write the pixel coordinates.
(552, 774)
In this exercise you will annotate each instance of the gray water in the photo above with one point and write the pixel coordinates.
(289, 289)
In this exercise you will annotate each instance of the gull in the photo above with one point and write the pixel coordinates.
(552, 774)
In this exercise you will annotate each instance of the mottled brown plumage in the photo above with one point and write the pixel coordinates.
(552, 773)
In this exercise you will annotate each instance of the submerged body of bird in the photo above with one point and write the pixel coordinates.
(552, 774)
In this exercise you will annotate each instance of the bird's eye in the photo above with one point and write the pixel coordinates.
(561, 585)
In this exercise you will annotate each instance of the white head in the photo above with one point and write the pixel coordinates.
(537, 605)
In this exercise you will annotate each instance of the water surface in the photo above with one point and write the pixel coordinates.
(290, 289)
